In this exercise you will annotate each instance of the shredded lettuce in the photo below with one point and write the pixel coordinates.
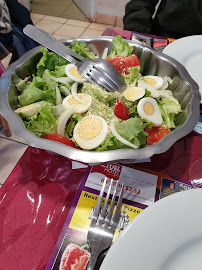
(121, 47)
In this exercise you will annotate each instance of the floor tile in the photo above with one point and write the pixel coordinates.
(118, 27)
(35, 20)
(47, 26)
(10, 153)
(37, 16)
(70, 30)
(73, 12)
(50, 7)
(105, 18)
(5, 61)
(119, 21)
(91, 33)
(60, 36)
(55, 19)
(100, 26)
(78, 23)
(13, 137)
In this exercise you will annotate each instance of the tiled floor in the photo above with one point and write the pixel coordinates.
(12, 148)
(58, 8)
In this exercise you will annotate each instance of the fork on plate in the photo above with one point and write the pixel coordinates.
(103, 225)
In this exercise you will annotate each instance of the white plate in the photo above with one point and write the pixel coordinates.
(188, 51)
(165, 236)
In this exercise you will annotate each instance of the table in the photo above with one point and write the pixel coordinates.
(35, 199)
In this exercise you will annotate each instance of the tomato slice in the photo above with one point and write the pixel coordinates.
(61, 139)
(156, 134)
(121, 110)
(122, 63)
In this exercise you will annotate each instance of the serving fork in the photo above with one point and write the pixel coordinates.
(103, 225)
(96, 71)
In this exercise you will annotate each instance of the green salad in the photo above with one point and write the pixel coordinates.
(57, 103)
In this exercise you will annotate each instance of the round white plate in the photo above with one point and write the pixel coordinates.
(188, 51)
(164, 236)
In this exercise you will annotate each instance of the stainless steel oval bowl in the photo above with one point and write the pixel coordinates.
(153, 62)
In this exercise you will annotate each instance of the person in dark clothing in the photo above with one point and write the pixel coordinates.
(13, 18)
(174, 18)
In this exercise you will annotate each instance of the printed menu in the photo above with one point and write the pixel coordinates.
(142, 188)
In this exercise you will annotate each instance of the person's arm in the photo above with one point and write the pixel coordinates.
(138, 15)
(20, 15)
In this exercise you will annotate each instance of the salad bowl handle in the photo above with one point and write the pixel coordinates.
(51, 43)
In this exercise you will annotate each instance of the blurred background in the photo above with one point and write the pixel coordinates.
(101, 11)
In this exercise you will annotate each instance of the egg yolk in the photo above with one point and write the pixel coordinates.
(74, 72)
(90, 128)
(148, 108)
(150, 81)
(73, 101)
(25, 107)
(133, 93)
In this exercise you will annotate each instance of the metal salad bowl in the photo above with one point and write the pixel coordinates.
(153, 62)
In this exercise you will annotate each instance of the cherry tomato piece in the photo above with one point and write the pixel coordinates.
(121, 110)
(156, 134)
(122, 63)
(61, 139)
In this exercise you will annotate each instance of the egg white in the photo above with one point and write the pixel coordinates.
(29, 110)
(148, 109)
(153, 91)
(90, 132)
(79, 107)
(72, 73)
(133, 93)
(154, 81)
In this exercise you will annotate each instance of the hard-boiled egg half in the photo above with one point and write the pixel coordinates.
(29, 110)
(148, 109)
(133, 93)
(90, 132)
(72, 73)
(144, 85)
(81, 106)
(154, 81)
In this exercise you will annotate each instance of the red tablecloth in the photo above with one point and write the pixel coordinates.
(35, 200)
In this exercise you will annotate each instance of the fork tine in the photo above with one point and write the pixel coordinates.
(98, 205)
(108, 217)
(101, 79)
(104, 210)
(115, 218)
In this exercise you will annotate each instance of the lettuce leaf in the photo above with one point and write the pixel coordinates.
(48, 61)
(132, 76)
(82, 49)
(36, 91)
(169, 109)
(43, 122)
(121, 47)
(132, 130)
